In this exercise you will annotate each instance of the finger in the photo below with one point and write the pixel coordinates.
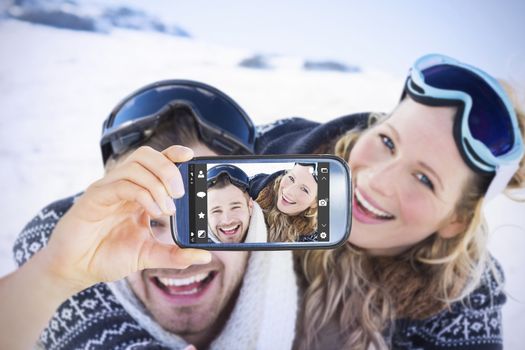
(178, 153)
(190, 347)
(155, 255)
(161, 164)
(137, 174)
(122, 190)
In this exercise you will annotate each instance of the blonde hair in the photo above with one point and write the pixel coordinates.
(284, 228)
(363, 294)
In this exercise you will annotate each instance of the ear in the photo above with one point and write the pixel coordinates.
(452, 228)
(250, 206)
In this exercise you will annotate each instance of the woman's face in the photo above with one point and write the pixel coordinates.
(408, 176)
(297, 190)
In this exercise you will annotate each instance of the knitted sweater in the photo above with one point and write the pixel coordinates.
(474, 324)
(110, 316)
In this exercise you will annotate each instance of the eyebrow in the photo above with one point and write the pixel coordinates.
(305, 185)
(420, 163)
(221, 205)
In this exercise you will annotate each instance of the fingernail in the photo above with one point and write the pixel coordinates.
(177, 187)
(170, 205)
(184, 148)
(189, 152)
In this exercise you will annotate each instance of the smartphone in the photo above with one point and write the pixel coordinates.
(270, 202)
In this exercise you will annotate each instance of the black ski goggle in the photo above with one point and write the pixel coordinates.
(223, 124)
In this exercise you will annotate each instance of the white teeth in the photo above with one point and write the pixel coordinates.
(191, 291)
(178, 282)
(229, 228)
(370, 207)
(288, 199)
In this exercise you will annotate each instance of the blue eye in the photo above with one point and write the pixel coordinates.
(425, 181)
(387, 141)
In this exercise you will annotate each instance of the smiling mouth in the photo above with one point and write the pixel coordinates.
(187, 286)
(369, 209)
(287, 200)
(230, 230)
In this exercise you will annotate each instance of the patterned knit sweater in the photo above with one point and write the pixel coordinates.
(110, 316)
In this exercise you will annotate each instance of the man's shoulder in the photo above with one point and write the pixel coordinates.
(94, 319)
(36, 233)
(91, 319)
(471, 323)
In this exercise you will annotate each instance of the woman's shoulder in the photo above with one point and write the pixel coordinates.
(472, 323)
(36, 233)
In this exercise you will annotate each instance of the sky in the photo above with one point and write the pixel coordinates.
(382, 35)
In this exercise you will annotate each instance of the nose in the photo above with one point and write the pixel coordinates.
(384, 178)
(226, 218)
(294, 191)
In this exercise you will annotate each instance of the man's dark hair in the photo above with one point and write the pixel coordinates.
(176, 128)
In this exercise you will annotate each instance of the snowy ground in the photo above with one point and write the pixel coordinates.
(57, 86)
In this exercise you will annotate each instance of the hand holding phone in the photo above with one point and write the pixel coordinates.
(106, 234)
(263, 203)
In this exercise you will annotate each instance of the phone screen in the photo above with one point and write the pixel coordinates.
(259, 202)
(266, 202)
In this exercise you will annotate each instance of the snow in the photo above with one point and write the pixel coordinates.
(57, 86)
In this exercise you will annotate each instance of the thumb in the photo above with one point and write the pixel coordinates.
(190, 347)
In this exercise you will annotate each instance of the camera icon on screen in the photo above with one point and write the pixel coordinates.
(323, 202)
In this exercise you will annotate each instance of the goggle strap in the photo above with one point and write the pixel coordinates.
(504, 174)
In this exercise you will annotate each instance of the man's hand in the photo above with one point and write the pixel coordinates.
(106, 236)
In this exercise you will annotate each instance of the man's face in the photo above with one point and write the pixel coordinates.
(194, 300)
(229, 213)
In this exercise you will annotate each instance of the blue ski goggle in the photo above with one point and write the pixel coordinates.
(235, 174)
(486, 127)
(222, 123)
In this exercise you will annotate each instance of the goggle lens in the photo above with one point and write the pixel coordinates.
(236, 175)
(215, 109)
(489, 120)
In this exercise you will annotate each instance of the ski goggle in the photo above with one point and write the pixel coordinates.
(222, 123)
(486, 128)
(235, 174)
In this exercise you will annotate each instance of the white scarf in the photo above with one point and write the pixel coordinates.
(264, 314)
